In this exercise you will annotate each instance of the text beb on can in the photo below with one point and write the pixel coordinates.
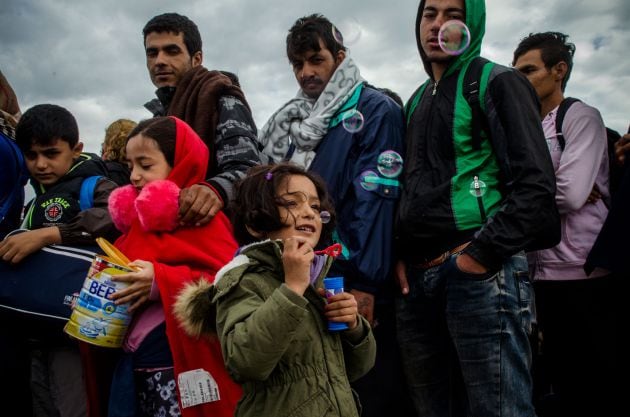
(332, 286)
(95, 318)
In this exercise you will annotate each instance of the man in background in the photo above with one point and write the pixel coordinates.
(211, 102)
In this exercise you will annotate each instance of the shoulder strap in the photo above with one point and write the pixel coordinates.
(562, 111)
(414, 100)
(474, 88)
(86, 195)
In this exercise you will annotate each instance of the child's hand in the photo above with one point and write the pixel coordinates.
(140, 283)
(297, 258)
(341, 308)
(16, 247)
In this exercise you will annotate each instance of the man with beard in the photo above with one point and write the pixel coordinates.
(211, 102)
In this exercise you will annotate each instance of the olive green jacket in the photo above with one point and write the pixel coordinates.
(276, 343)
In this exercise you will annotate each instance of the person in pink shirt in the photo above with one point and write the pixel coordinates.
(575, 317)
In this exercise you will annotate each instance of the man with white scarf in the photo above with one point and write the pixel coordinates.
(351, 134)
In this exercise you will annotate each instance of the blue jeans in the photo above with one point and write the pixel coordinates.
(464, 340)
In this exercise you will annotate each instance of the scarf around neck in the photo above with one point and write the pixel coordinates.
(293, 132)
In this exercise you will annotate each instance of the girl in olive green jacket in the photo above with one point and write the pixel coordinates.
(271, 314)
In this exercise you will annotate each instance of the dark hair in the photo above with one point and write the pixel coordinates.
(163, 130)
(393, 95)
(305, 34)
(43, 123)
(553, 47)
(255, 203)
(176, 23)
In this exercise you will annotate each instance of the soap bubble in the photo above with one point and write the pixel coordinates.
(348, 32)
(454, 37)
(390, 164)
(368, 180)
(325, 216)
(477, 187)
(353, 121)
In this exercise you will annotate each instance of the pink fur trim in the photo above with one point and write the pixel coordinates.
(121, 207)
(157, 206)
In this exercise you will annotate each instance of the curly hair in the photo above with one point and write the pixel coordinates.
(116, 138)
(255, 203)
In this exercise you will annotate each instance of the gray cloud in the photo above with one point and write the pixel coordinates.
(88, 55)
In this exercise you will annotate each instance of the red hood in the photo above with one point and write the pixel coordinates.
(191, 157)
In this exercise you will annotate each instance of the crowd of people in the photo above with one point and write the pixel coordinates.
(475, 227)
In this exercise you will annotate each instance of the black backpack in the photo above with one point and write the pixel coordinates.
(612, 136)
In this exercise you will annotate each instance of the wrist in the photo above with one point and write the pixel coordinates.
(467, 263)
(50, 235)
(296, 288)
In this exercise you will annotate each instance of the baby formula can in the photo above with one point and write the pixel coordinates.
(95, 318)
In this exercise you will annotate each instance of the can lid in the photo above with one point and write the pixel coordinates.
(333, 282)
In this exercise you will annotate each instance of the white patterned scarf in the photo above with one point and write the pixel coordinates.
(293, 132)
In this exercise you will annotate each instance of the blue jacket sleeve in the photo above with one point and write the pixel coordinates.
(366, 213)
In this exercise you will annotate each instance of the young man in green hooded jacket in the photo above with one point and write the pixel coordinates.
(478, 191)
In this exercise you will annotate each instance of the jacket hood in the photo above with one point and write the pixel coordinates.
(195, 307)
(475, 20)
(191, 157)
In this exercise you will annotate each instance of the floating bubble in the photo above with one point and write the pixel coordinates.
(477, 187)
(337, 35)
(324, 216)
(390, 164)
(369, 180)
(348, 32)
(353, 121)
(454, 37)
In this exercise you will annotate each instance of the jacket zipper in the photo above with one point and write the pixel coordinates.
(435, 86)
(477, 188)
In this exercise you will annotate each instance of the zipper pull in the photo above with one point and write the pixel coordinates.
(476, 185)
(435, 85)
(477, 192)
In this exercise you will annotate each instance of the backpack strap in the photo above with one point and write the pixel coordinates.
(86, 195)
(474, 88)
(562, 111)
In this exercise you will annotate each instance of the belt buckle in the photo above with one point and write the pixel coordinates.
(435, 261)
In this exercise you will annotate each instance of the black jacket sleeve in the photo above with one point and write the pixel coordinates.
(93, 222)
(528, 218)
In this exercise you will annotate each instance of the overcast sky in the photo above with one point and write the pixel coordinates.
(88, 55)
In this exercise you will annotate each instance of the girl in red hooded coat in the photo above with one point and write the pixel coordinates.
(165, 372)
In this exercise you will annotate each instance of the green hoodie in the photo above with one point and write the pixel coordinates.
(494, 190)
(474, 167)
